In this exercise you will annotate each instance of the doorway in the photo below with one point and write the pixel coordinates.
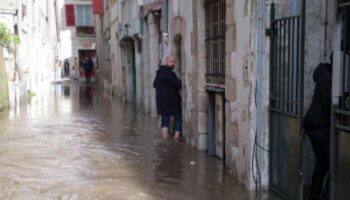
(129, 69)
(82, 53)
(340, 136)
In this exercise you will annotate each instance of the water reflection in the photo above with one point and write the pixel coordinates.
(86, 95)
(169, 167)
(75, 142)
(66, 91)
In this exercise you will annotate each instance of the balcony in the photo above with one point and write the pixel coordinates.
(85, 31)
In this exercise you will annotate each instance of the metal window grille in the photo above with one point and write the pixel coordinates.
(215, 42)
(284, 70)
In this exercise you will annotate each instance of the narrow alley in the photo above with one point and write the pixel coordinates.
(256, 94)
(72, 141)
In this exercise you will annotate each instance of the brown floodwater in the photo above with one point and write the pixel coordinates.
(72, 141)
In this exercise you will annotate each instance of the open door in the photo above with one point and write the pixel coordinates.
(340, 138)
(286, 100)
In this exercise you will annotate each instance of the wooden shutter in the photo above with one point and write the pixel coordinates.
(97, 7)
(70, 15)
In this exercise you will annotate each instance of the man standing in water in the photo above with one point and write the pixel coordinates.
(168, 100)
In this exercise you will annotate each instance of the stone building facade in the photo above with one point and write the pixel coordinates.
(224, 59)
(77, 32)
(35, 23)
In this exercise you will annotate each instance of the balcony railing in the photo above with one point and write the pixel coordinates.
(85, 30)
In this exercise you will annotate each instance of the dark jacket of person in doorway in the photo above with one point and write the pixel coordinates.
(88, 66)
(66, 68)
(317, 123)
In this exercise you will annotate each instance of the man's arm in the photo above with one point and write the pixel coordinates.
(173, 80)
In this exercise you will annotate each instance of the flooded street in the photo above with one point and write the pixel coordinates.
(73, 141)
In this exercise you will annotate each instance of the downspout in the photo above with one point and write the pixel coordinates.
(301, 89)
(165, 32)
(259, 88)
(165, 15)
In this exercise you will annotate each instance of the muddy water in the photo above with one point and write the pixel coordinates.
(72, 141)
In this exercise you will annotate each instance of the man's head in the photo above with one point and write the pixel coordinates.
(170, 62)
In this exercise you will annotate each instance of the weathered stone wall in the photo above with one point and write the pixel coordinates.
(146, 65)
(182, 44)
(4, 96)
(239, 83)
(150, 60)
(115, 60)
(318, 40)
(200, 99)
(187, 44)
(187, 21)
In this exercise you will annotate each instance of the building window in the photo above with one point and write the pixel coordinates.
(215, 42)
(70, 15)
(85, 22)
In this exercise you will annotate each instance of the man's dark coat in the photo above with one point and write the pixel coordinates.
(167, 87)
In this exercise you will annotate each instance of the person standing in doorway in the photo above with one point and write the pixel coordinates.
(66, 68)
(168, 100)
(76, 68)
(317, 123)
(87, 65)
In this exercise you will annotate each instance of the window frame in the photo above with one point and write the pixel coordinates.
(215, 37)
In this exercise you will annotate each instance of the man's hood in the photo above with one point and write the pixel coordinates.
(323, 72)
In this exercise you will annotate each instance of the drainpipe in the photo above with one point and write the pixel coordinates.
(301, 88)
(259, 89)
(165, 13)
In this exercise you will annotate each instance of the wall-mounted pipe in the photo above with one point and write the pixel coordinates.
(165, 13)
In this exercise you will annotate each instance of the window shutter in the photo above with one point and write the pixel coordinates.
(70, 15)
